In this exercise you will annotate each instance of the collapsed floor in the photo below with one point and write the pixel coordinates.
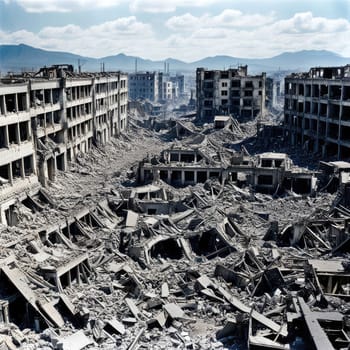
(97, 261)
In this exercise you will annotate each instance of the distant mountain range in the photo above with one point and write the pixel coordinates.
(17, 58)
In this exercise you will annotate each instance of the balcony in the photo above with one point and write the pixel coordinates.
(15, 151)
(78, 120)
(14, 117)
(44, 108)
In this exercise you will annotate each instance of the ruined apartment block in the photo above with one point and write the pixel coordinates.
(47, 119)
(317, 110)
(266, 172)
(144, 85)
(232, 91)
(155, 86)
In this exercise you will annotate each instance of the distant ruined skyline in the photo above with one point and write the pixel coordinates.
(183, 29)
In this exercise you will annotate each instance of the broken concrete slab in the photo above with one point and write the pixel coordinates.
(133, 308)
(76, 341)
(164, 290)
(174, 311)
(114, 326)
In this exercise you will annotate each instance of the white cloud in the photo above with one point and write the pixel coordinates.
(235, 18)
(306, 23)
(107, 38)
(239, 34)
(190, 37)
(152, 6)
(122, 26)
(39, 6)
(158, 6)
(184, 22)
(20, 36)
(229, 18)
(70, 31)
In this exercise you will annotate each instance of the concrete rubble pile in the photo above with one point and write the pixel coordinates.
(173, 240)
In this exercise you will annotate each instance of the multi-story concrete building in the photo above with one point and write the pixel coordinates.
(167, 88)
(232, 91)
(144, 85)
(48, 118)
(155, 86)
(179, 81)
(168, 92)
(317, 110)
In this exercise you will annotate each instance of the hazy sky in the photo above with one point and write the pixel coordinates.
(183, 29)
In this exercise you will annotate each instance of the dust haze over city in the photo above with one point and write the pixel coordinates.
(174, 174)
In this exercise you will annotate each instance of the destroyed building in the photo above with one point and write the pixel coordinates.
(317, 110)
(156, 86)
(231, 91)
(48, 119)
(178, 85)
(167, 236)
(266, 172)
(144, 85)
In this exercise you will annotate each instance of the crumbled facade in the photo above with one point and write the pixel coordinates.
(176, 235)
(317, 110)
(144, 85)
(156, 86)
(266, 172)
(48, 119)
(232, 91)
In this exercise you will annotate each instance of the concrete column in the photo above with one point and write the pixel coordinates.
(195, 176)
(7, 136)
(182, 177)
(29, 130)
(58, 284)
(65, 161)
(69, 278)
(340, 122)
(10, 173)
(32, 162)
(3, 216)
(16, 103)
(18, 138)
(28, 98)
(169, 177)
(78, 276)
(3, 104)
(23, 174)
(42, 169)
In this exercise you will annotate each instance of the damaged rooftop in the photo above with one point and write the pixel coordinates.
(121, 230)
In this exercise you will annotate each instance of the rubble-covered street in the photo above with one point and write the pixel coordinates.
(170, 239)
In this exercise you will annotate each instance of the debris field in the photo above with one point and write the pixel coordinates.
(180, 239)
